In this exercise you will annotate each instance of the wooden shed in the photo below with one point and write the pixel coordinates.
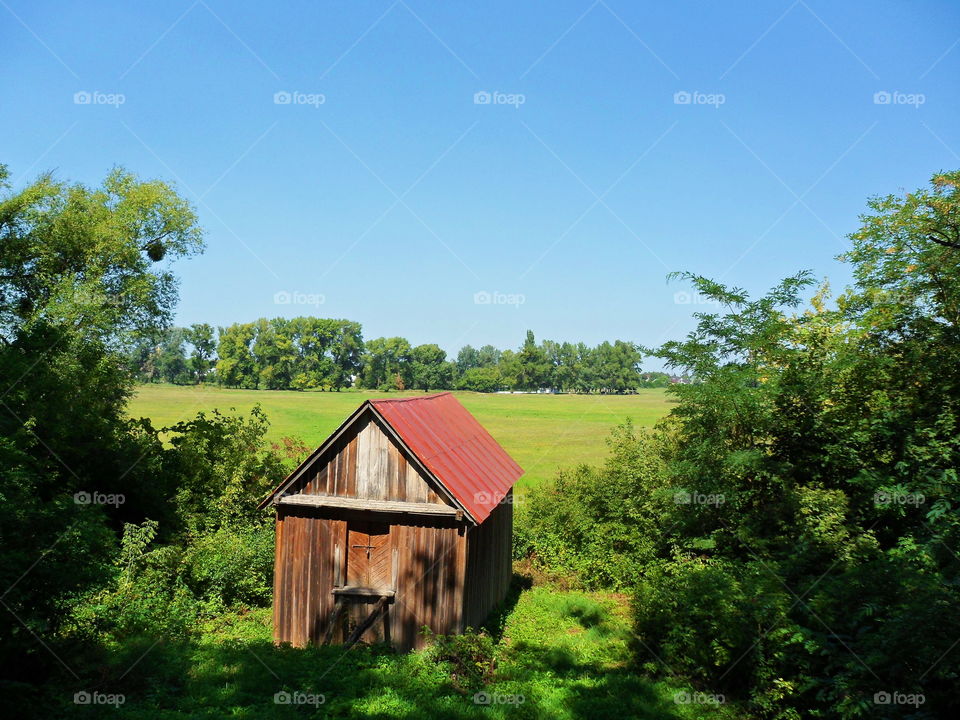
(401, 518)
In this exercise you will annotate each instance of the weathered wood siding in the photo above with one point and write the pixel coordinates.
(304, 574)
(449, 573)
(430, 560)
(430, 586)
(367, 463)
(489, 564)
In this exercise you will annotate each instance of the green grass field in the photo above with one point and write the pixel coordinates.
(561, 655)
(542, 432)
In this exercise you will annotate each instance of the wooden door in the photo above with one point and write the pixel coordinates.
(368, 554)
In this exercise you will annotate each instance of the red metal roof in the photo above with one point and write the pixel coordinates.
(455, 447)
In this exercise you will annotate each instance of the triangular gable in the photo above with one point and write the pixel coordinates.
(444, 441)
(359, 422)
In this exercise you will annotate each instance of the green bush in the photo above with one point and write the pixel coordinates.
(704, 618)
(807, 561)
(595, 523)
(147, 595)
(219, 553)
(232, 567)
(470, 657)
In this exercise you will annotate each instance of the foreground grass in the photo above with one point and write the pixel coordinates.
(542, 432)
(563, 655)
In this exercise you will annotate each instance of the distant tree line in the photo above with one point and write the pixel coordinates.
(307, 353)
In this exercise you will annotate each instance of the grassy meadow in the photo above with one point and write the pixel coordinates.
(542, 432)
(555, 654)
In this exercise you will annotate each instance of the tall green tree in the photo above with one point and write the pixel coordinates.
(467, 358)
(169, 356)
(201, 337)
(386, 364)
(488, 356)
(346, 353)
(235, 363)
(533, 366)
(616, 366)
(429, 368)
(84, 272)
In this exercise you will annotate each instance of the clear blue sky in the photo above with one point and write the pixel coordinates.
(399, 197)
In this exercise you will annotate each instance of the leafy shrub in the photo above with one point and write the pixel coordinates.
(146, 596)
(701, 617)
(231, 567)
(594, 523)
(224, 467)
(219, 553)
(470, 656)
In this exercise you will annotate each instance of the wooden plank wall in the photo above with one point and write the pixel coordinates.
(431, 564)
(304, 574)
(449, 575)
(367, 463)
(489, 564)
(430, 582)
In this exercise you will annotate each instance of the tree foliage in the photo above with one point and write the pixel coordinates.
(107, 531)
(84, 272)
(789, 533)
